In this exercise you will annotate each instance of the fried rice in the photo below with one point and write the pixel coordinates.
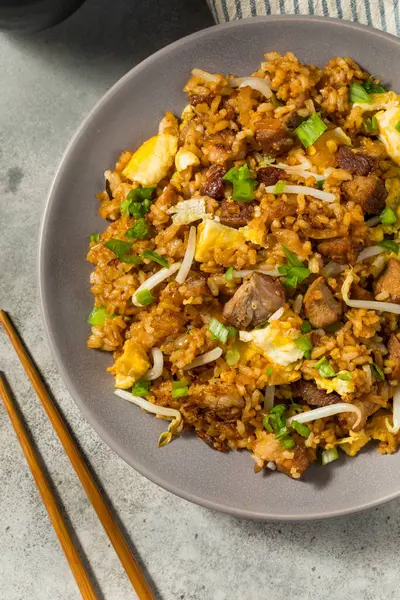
(248, 282)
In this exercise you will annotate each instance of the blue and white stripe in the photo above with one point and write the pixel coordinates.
(382, 14)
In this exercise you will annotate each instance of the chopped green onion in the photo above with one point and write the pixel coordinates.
(145, 297)
(295, 407)
(397, 126)
(229, 274)
(179, 389)
(294, 270)
(218, 330)
(305, 345)
(243, 183)
(137, 202)
(279, 187)
(274, 101)
(358, 94)
(305, 327)
(139, 231)
(389, 245)
(373, 88)
(301, 428)
(371, 124)
(269, 371)
(141, 388)
(275, 422)
(232, 331)
(288, 443)
(232, 356)
(388, 216)
(310, 130)
(329, 456)
(155, 257)
(324, 368)
(345, 376)
(98, 316)
(320, 184)
(121, 250)
(378, 372)
(95, 237)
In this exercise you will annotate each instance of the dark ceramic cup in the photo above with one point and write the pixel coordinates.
(34, 15)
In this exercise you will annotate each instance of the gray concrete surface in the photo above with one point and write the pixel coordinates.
(48, 82)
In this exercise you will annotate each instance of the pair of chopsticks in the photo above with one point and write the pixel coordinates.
(113, 531)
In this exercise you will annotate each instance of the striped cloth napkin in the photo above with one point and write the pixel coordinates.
(382, 14)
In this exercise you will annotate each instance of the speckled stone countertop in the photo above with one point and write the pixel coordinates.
(48, 83)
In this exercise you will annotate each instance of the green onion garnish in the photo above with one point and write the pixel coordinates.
(373, 88)
(95, 237)
(229, 274)
(388, 216)
(232, 356)
(324, 368)
(301, 428)
(141, 388)
(310, 130)
(145, 297)
(274, 101)
(269, 371)
(232, 331)
(377, 372)
(371, 124)
(275, 422)
(156, 258)
(179, 389)
(137, 202)
(389, 245)
(329, 456)
(139, 231)
(305, 327)
(358, 94)
(243, 183)
(98, 316)
(305, 345)
(345, 376)
(320, 184)
(279, 188)
(218, 330)
(294, 270)
(121, 250)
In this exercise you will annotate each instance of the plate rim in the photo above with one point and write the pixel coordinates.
(67, 380)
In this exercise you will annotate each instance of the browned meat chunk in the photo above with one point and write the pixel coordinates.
(394, 354)
(389, 281)
(308, 392)
(196, 99)
(273, 136)
(236, 214)
(269, 175)
(214, 186)
(221, 396)
(358, 164)
(292, 462)
(278, 209)
(254, 301)
(341, 250)
(320, 306)
(359, 293)
(369, 191)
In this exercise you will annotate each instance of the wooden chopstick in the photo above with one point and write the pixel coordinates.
(49, 500)
(113, 531)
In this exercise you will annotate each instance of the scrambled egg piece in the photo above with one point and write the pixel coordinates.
(390, 136)
(211, 234)
(380, 101)
(188, 211)
(151, 162)
(184, 159)
(353, 444)
(131, 365)
(250, 234)
(335, 384)
(276, 344)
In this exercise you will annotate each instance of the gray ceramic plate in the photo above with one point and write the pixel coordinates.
(127, 115)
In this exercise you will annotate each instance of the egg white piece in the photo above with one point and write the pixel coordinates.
(276, 344)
